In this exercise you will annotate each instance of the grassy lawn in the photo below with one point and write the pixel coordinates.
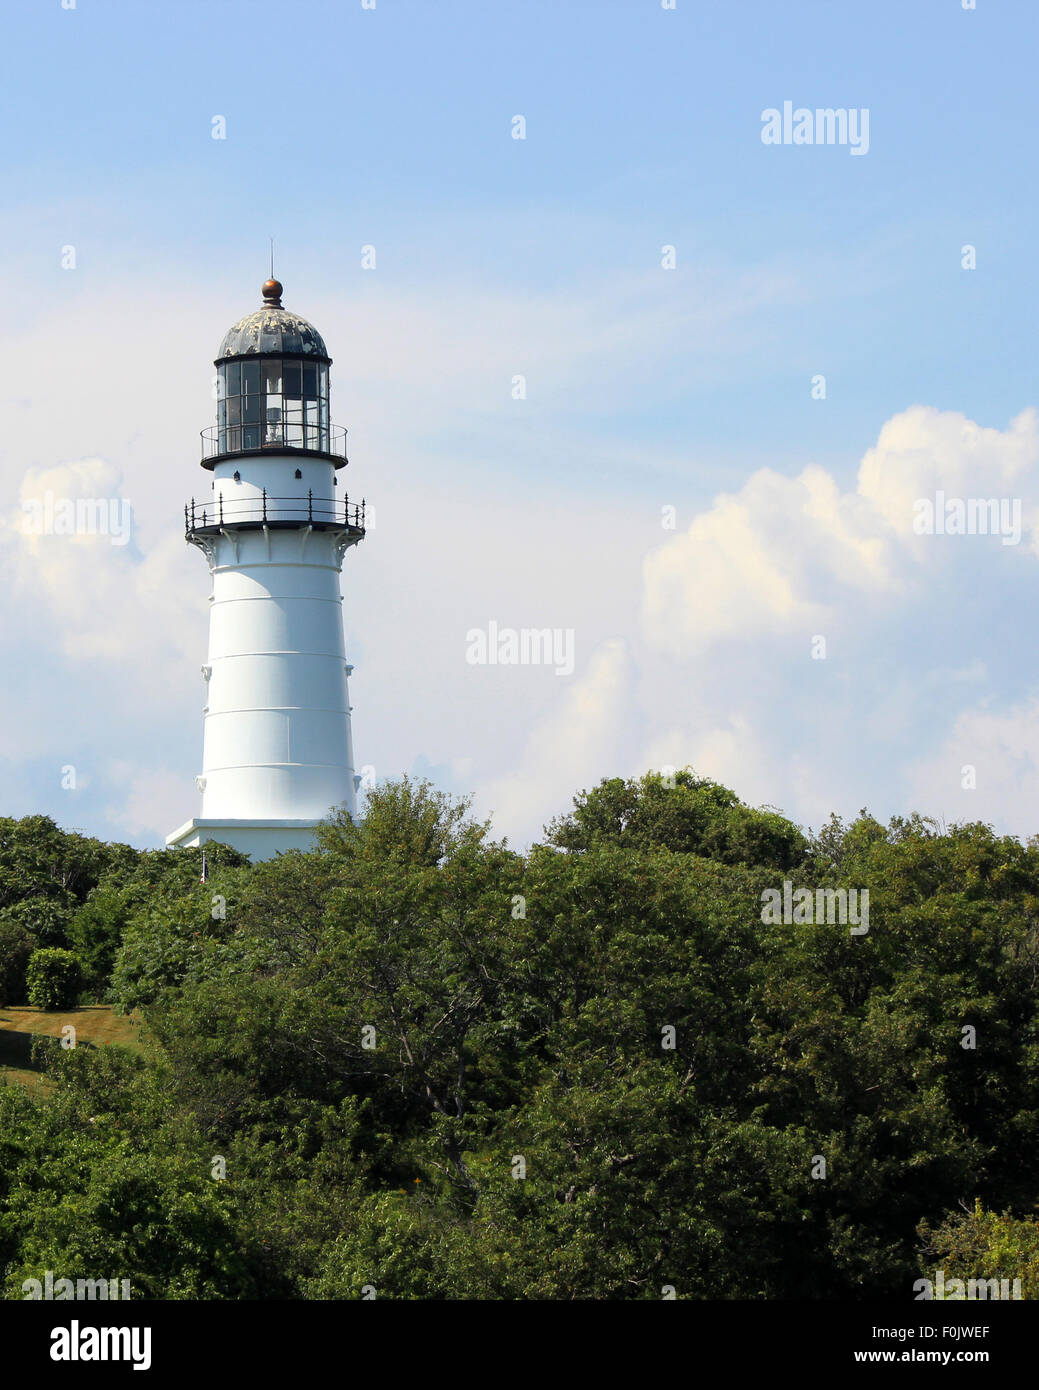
(95, 1025)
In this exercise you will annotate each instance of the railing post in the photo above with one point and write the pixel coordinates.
(221, 509)
(265, 504)
(362, 513)
(310, 504)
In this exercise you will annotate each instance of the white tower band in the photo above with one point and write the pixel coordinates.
(278, 754)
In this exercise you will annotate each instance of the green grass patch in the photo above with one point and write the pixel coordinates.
(96, 1025)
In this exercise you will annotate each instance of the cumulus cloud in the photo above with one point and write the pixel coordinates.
(71, 549)
(788, 554)
(923, 450)
(763, 560)
(916, 629)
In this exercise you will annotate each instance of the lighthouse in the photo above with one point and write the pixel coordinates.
(274, 525)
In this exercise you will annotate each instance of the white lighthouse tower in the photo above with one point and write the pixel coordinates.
(275, 527)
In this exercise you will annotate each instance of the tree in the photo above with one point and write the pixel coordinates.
(47, 872)
(16, 946)
(693, 816)
(406, 822)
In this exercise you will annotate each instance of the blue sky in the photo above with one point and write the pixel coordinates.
(646, 387)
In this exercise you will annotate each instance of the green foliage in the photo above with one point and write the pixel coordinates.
(46, 872)
(980, 1244)
(42, 920)
(446, 1070)
(404, 822)
(128, 894)
(16, 946)
(174, 938)
(96, 930)
(695, 816)
(53, 978)
(103, 1182)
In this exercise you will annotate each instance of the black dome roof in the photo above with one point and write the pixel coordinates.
(272, 329)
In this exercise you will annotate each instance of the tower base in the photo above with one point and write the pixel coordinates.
(260, 839)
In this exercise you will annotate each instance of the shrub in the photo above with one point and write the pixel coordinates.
(53, 978)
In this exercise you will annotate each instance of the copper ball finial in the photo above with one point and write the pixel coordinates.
(272, 293)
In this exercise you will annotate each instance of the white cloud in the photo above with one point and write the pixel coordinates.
(999, 753)
(765, 560)
(110, 600)
(922, 450)
(142, 800)
(574, 746)
(915, 626)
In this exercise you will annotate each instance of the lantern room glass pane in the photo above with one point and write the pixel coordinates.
(310, 378)
(273, 434)
(250, 378)
(292, 379)
(232, 378)
(272, 376)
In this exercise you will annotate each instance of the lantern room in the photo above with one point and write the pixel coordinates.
(272, 385)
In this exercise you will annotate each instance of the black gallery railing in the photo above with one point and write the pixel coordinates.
(265, 510)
